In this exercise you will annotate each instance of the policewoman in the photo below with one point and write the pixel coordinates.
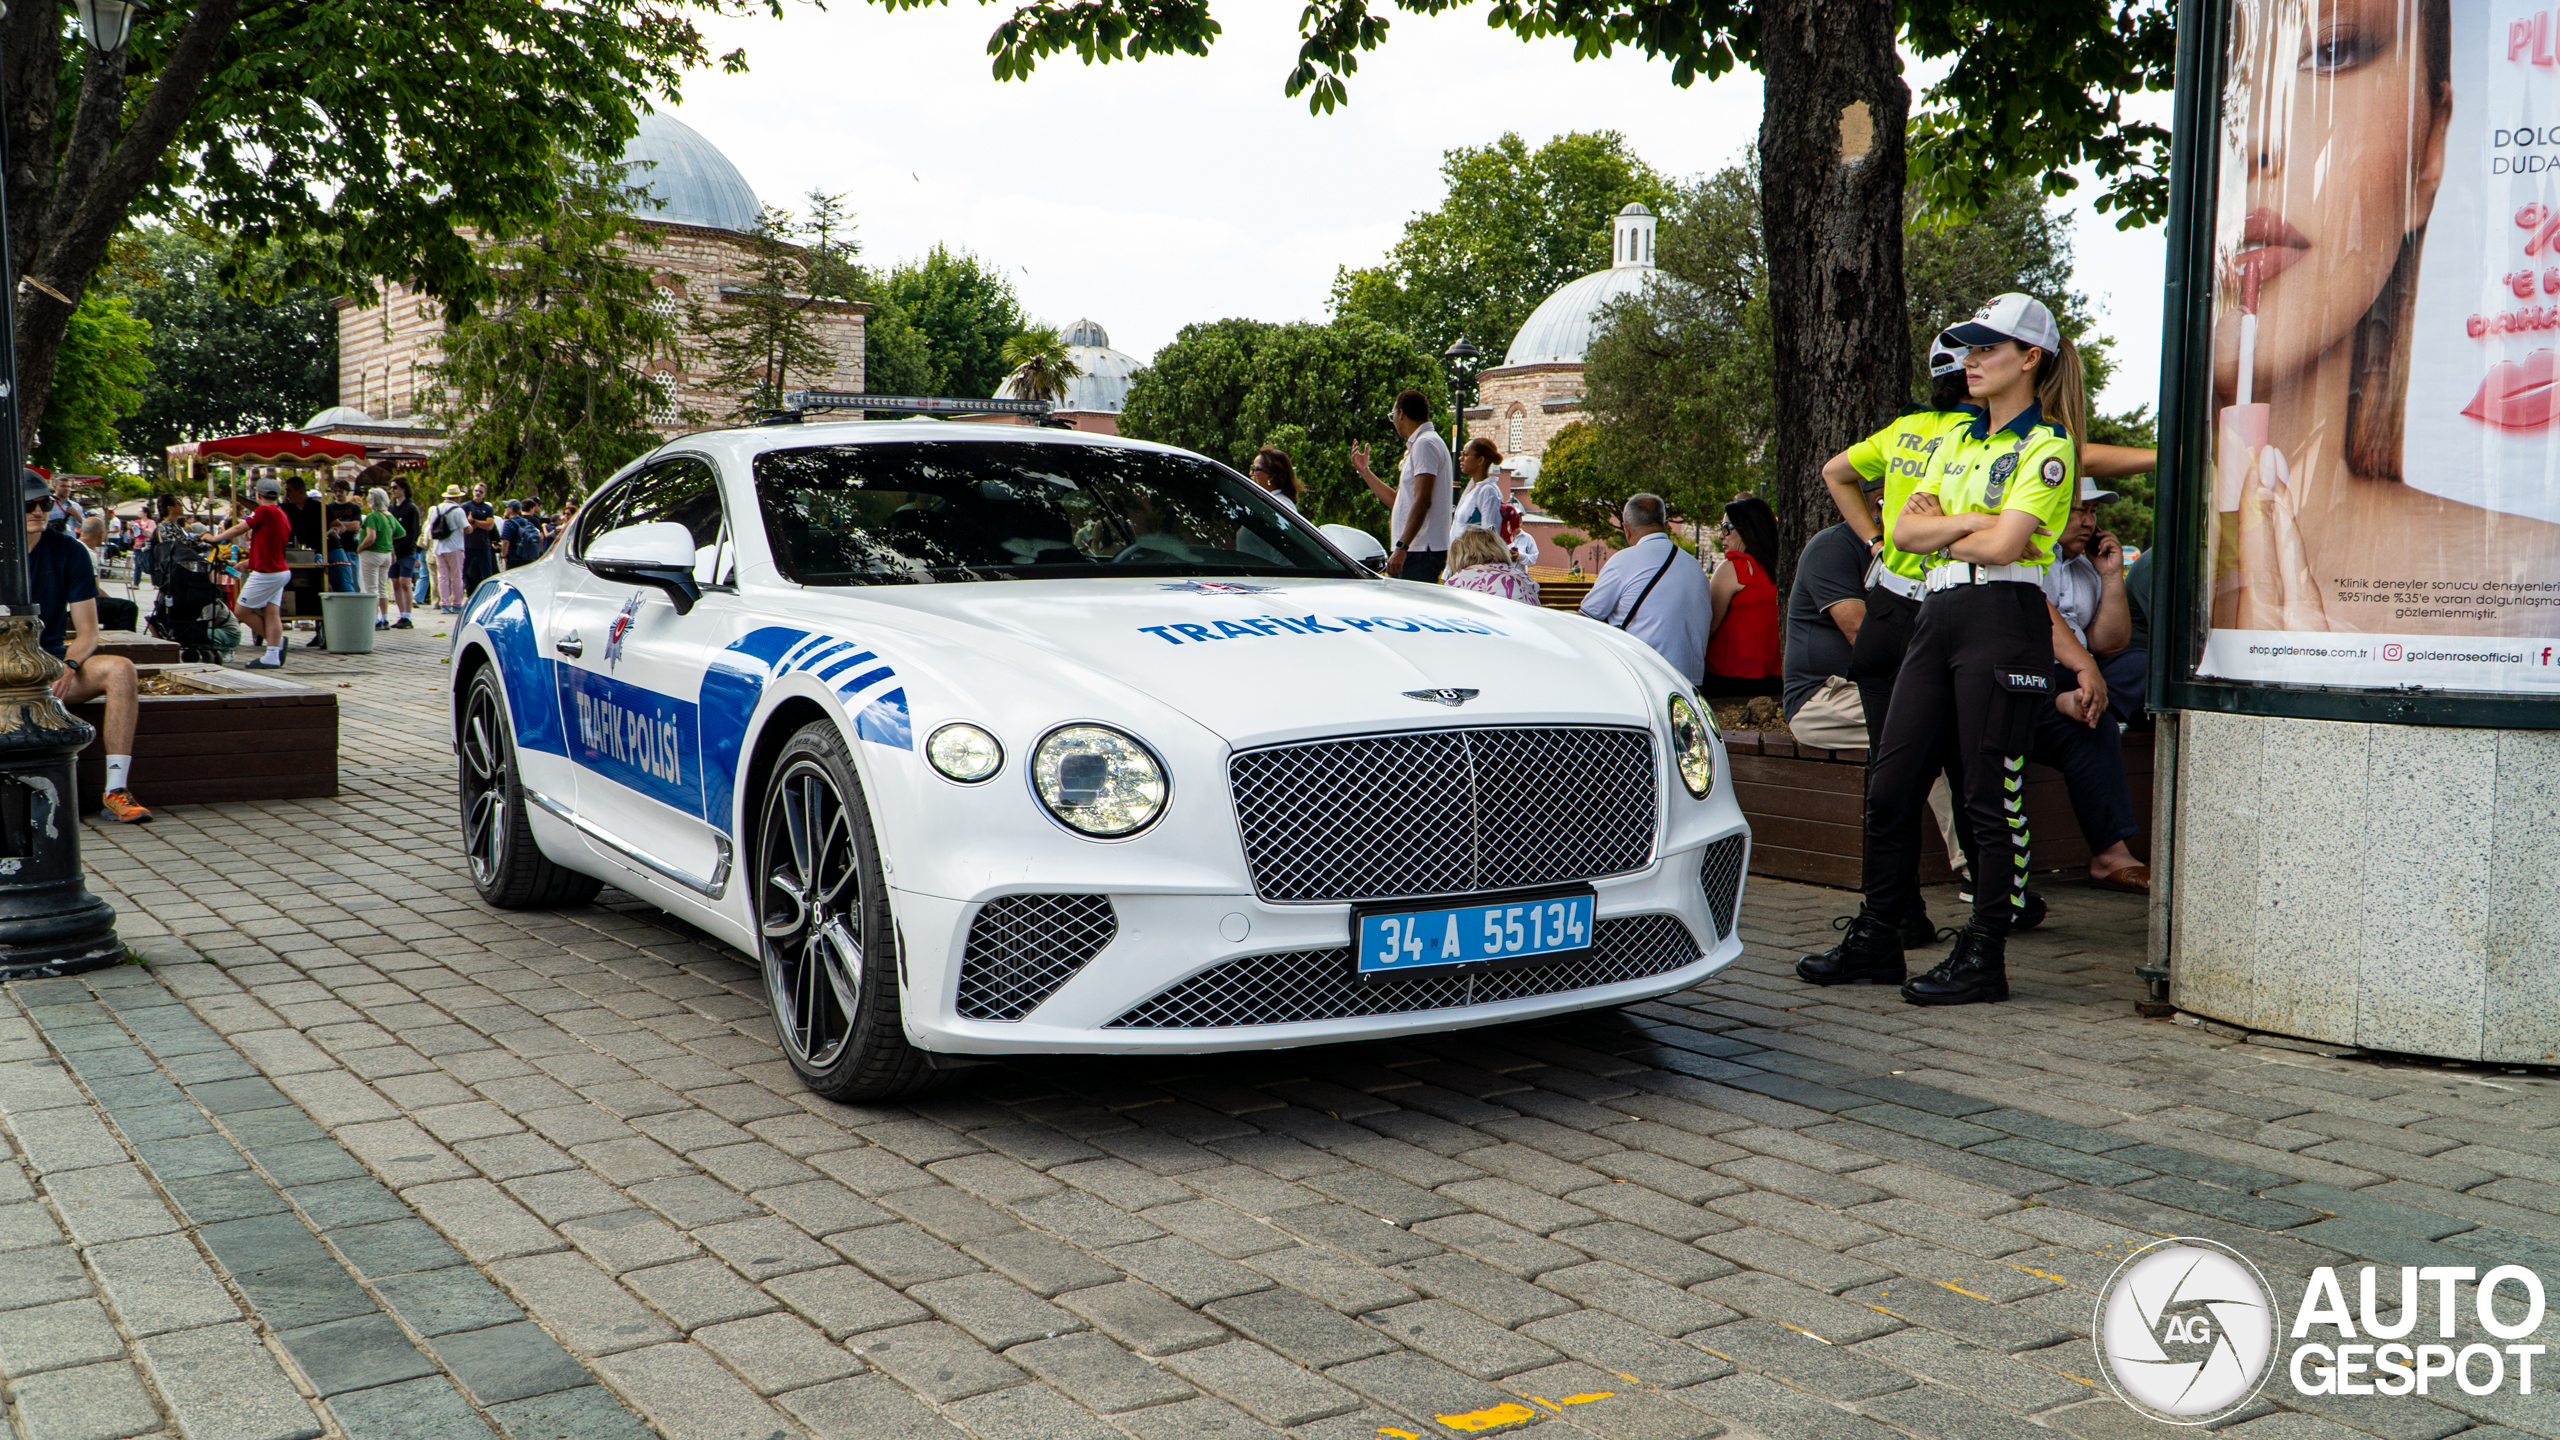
(1980, 661)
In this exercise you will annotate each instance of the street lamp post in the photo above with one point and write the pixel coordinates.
(1457, 357)
(49, 922)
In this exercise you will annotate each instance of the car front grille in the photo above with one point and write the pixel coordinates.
(1023, 947)
(1300, 985)
(1445, 812)
(1720, 875)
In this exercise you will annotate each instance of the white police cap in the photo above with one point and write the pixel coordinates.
(1944, 359)
(2013, 316)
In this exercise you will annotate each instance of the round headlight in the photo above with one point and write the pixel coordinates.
(1692, 747)
(965, 753)
(1098, 781)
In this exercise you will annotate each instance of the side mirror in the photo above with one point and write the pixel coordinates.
(659, 555)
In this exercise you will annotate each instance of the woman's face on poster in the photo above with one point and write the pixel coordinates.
(2340, 146)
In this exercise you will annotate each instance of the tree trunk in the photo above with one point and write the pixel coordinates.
(1831, 171)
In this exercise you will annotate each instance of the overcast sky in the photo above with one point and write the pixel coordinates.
(1149, 196)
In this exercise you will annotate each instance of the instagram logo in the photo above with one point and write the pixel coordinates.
(2390, 652)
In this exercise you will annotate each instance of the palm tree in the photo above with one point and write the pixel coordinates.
(1041, 368)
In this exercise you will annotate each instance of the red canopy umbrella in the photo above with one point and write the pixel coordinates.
(274, 447)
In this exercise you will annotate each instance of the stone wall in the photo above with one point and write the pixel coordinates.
(2395, 887)
(383, 349)
(1525, 405)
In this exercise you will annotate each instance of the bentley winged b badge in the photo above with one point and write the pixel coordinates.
(1443, 696)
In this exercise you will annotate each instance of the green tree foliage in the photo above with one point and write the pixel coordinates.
(1678, 379)
(227, 356)
(547, 386)
(1040, 365)
(104, 364)
(2129, 514)
(755, 337)
(2012, 243)
(1575, 483)
(964, 310)
(1517, 224)
(1228, 387)
(355, 142)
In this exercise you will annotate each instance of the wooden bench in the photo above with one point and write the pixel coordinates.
(241, 735)
(1807, 811)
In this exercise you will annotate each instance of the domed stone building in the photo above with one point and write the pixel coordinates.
(1095, 396)
(1537, 389)
(706, 209)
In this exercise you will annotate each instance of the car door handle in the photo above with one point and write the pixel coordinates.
(570, 645)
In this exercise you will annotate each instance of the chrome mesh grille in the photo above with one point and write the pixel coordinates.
(1023, 947)
(1720, 875)
(1444, 812)
(1299, 985)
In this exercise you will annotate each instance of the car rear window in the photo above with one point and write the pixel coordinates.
(911, 511)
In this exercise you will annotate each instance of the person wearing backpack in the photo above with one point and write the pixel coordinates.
(445, 527)
(521, 536)
(1654, 590)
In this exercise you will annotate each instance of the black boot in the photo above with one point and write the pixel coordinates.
(2031, 916)
(1871, 951)
(1975, 972)
(1919, 932)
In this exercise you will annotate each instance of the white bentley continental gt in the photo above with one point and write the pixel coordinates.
(986, 740)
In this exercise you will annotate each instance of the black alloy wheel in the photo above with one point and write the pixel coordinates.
(824, 925)
(507, 865)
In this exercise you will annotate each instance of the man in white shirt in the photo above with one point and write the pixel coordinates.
(1654, 590)
(1420, 501)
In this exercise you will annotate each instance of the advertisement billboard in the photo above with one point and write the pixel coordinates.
(2384, 473)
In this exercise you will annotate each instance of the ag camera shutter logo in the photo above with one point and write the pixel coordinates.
(2184, 1331)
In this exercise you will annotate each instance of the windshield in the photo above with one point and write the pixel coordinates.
(936, 510)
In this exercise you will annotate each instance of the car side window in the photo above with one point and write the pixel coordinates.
(682, 491)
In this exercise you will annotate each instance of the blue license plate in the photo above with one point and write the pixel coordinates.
(1518, 930)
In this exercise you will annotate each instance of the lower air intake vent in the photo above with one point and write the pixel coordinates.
(1720, 875)
(1298, 985)
(1023, 947)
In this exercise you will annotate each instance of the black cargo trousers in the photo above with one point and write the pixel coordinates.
(1978, 672)
(1875, 660)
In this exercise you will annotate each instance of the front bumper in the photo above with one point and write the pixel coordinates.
(1163, 940)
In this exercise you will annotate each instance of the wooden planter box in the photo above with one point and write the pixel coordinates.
(139, 648)
(1807, 809)
(240, 735)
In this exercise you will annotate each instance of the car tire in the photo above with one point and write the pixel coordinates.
(507, 866)
(825, 933)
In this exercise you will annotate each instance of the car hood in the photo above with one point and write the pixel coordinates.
(1291, 658)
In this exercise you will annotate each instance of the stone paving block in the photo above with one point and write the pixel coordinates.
(1313, 1334)
(280, 1125)
(27, 1224)
(1839, 1321)
(2063, 1161)
(2011, 1384)
(1329, 1278)
(1045, 1266)
(936, 1361)
(1605, 1404)
(627, 1240)
(339, 1204)
(901, 1254)
(1767, 1250)
(1935, 1414)
(1663, 1309)
(1481, 1288)
(1677, 1179)
(689, 1396)
(1505, 1247)
(1460, 1338)
(1662, 1258)
(110, 1202)
(353, 1354)
(1142, 1318)
(424, 1409)
(1185, 1271)
(865, 1407)
(336, 1099)
(1940, 1307)
(482, 1219)
(401, 1153)
(775, 1353)
(1998, 1283)
(1191, 1419)
(1357, 1233)
(1620, 1348)
(1424, 1389)
(161, 1284)
(446, 1302)
(580, 1304)
(1029, 1412)
(1385, 1196)
(393, 1247)
(1775, 1350)
(52, 1337)
(1247, 1375)
(1083, 1219)
(220, 1381)
(508, 1362)
(1652, 1210)
(998, 1312)
(842, 1301)
(95, 1402)
(41, 1275)
(2221, 1204)
(822, 1207)
(763, 1248)
(695, 1293)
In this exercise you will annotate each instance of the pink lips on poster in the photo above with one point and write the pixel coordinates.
(2519, 394)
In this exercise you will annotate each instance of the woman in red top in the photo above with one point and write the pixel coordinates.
(1742, 648)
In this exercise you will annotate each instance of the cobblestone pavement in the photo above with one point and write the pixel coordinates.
(355, 1155)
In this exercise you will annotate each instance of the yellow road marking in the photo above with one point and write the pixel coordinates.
(1587, 1399)
(2042, 1274)
(1493, 1418)
(1398, 1434)
(1985, 1299)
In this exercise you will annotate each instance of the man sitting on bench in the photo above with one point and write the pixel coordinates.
(64, 588)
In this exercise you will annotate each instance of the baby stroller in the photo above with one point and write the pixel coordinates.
(190, 609)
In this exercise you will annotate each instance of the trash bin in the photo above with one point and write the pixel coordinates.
(346, 623)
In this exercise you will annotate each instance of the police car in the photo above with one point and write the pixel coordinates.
(988, 740)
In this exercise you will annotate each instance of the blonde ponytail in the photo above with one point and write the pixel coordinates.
(2062, 390)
